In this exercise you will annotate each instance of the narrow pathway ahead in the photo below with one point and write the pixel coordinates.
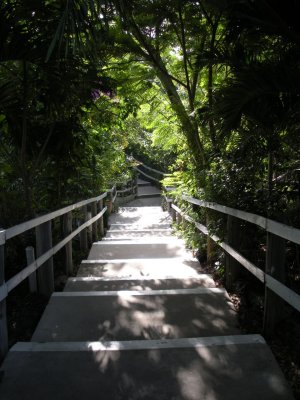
(140, 321)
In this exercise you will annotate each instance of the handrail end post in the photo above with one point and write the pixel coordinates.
(275, 267)
(3, 317)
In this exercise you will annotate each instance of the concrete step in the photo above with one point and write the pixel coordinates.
(180, 267)
(227, 368)
(142, 182)
(148, 195)
(148, 240)
(145, 202)
(140, 216)
(136, 233)
(141, 249)
(136, 227)
(79, 284)
(149, 191)
(133, 315)
(145, 240)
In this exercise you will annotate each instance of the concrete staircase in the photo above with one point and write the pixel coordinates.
(141, 321)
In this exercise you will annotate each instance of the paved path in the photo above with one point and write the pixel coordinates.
(141, 321)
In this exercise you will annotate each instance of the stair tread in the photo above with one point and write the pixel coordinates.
(199, 370)
(126, 316)
(179, 267)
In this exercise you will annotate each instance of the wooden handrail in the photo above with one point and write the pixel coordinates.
(46, 250)
(149, 168)
(25, 226)
(274, 227)
(26, 272)
(148, 176)
(285, 231)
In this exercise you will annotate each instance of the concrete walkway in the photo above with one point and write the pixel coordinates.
(141, 321)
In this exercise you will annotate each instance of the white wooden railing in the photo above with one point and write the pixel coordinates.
(39, 269)
(152, 178)
(277, 234)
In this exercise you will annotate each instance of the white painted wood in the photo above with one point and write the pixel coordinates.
(148, 176)
(45, 274)
(18, 278)
(280, 289)
(83, 237)
(100, 223)
(3, 318)
(3, 291)
(25, 226)
(283, 291)
(151, 169)
(2, 237)
(177, 209)
(30, 258)
(126, 293)
(241, 259)
(233, 340)
(111, 190)
(285, 231)
(67, 229)
(255, 219)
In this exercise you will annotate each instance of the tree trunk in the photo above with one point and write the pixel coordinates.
(189, 127)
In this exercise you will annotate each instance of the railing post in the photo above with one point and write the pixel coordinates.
(108, 203)
(30, 257)
(173, 214)
(83, 233)
(3, 320)
(169, 204)
(67, 230)
(179, 218)
(134, 185)
(232, 267)
(275, 266)
(210, 244)
(101, 220)
(114, 193)
(94, 225)
(89, 228)
(43, 234)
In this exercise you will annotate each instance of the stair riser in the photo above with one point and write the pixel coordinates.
(144, 226)
(75, 284)
(136, 250)
(139, 268)
(138, 234)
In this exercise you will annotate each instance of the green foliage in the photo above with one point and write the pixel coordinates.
(59, 112)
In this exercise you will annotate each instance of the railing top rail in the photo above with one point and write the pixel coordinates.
(290, 296)
(148, 176)
(111, 190)
(27, 225)
(149, 168)
(285, 231)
